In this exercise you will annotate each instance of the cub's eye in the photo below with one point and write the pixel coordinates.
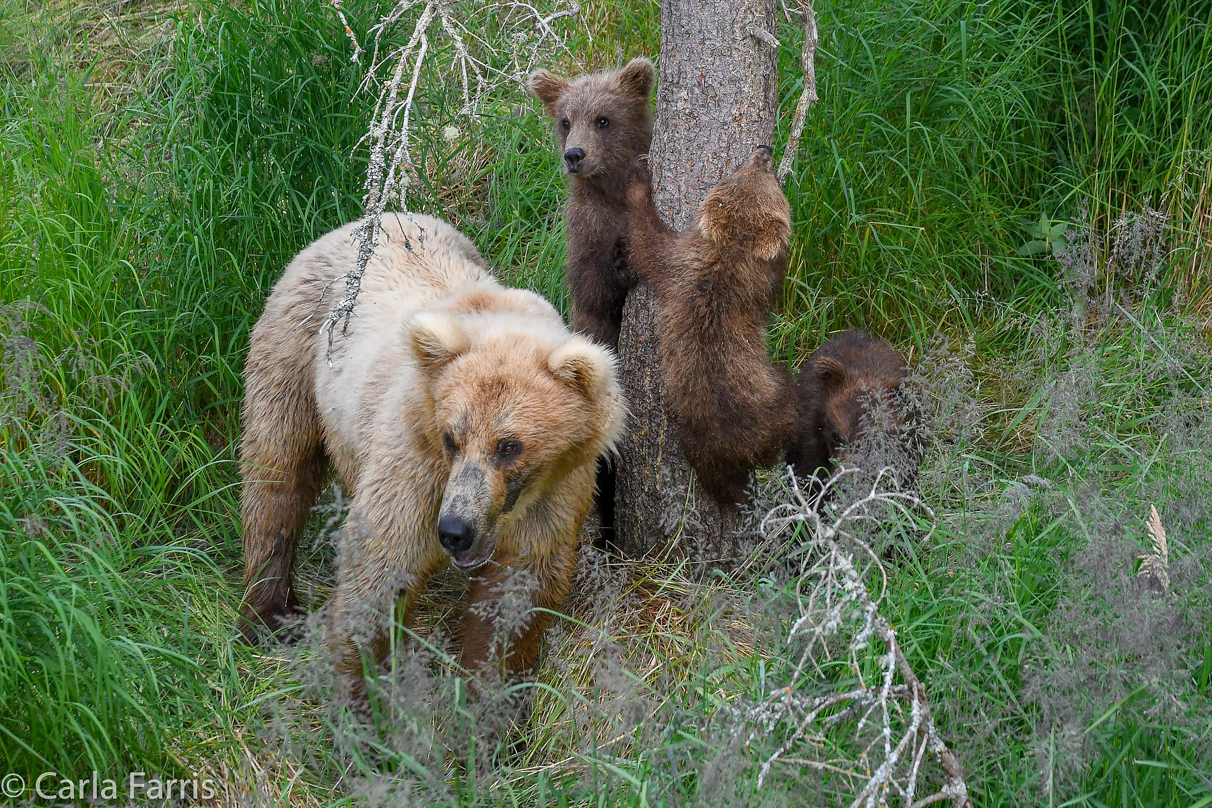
(603, 122)
(837, 439)
(449, 442)
(565, 125)
(509, 448)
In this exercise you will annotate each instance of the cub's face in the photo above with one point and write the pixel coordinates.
(854, 404)
(844, 419)
(510, 418)
(601, 120)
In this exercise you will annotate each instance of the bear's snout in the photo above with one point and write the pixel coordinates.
(456, 534)
(573, 158)
(468, 515)
(762, 158)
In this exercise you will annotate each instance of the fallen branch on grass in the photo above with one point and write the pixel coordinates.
(895, 728)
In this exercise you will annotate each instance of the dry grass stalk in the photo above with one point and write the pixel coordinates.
(1157, 563)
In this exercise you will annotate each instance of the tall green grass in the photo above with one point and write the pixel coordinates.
(148, 234)
(932, 137)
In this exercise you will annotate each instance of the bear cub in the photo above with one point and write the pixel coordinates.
(716, 283)
(851, 391)
(602, 121)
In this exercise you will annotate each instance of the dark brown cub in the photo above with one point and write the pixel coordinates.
(602, 121)
(716, 283)
(851, 396)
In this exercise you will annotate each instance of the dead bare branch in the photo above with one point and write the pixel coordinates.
(808, 96)
(524, 35)
(895, 728)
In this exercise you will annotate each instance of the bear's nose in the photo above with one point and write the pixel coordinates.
(574, 157)
(456, 534)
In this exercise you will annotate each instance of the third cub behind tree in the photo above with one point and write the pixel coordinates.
(716, 283)
(851, 392)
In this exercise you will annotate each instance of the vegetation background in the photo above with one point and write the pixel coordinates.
(1015, 192)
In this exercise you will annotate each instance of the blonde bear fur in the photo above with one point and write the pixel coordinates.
(449, 400)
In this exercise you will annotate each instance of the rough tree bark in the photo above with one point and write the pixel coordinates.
(716, 101)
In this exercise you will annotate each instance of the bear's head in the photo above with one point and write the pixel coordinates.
(748, 210)
(857, 400)
(601, 120)
(515, 411)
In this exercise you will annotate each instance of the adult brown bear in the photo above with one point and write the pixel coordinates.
(464, 417)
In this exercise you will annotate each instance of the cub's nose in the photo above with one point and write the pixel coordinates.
(456, 534)
(574, 157)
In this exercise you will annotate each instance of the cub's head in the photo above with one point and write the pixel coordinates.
(601, 120)
(748, 210)
(514, 412)
(861, 392)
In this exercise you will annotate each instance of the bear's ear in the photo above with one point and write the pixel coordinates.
(637, 77)
(548, 87)
(713, 217)
(582, 365)
(435, 339)
(770, 244)
(829, 371)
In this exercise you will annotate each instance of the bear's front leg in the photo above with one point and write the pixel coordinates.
(363, 604)
(598, 281)
(508, 612)
(357, 632)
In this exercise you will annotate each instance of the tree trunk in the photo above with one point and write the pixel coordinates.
(716, 101)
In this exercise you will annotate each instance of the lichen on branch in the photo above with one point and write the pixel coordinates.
(884, 750)
(451, 39)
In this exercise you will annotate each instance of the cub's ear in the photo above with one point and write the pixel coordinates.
(771, 242)
(771, 212)
(582, 365)
(435, 339)
(637, 77)
(829, 370)
(714, 215)
(548, 87)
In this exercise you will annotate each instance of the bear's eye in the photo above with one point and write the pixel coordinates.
(603, 122)
(449, 442)
(837, 439)
(509, 448)
(565, 125)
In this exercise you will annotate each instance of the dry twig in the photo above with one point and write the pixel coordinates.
(808, 96)
(832, 596)
(523, 36)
